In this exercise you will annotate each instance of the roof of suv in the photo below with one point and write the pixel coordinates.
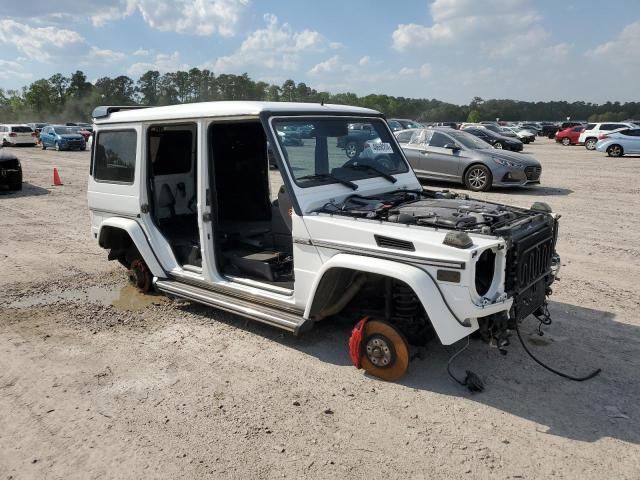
(220, 109)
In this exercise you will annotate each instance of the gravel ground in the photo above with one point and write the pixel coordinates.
(97, 381)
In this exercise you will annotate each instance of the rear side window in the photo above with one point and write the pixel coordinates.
(611, 126)
(115, 156)
(438, 140)
(590, 126)
(632, 132)
(170, 151)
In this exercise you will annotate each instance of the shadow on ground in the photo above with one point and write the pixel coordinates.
(579, 340)
(28, 190)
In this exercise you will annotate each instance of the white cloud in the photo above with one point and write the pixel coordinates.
(106, 55)
(628, 38)
(37, 43)
(10, 69)
(328, 66)
(141, 52)
(491, 22)
(162, 62)
(196, 17)
(275, 46)
(423, 72)
(366, 60)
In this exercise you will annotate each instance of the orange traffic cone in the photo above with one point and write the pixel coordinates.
(56, 178)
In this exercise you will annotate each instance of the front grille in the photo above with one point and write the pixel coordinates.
(535, 262)
(533, 173)
(387, 242)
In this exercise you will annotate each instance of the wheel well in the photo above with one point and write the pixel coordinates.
(354, 294)
(591, 138)
(114, 238)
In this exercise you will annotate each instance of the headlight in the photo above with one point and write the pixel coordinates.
(506, 163)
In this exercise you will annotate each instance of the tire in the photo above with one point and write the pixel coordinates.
(57, 146)
(43, 146)
(566, 141)
(385, 351)
(351, 149)
(478, 178)
(498, 145)
(140, 276)
(615, 150)
(590, 143)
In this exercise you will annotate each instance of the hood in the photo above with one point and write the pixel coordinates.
(71, 136)
(522, 159)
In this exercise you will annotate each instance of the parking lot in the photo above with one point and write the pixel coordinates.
(97, 381)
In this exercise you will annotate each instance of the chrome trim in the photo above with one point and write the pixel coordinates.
(264, 286)
(388, 255)
(283, 320)
(197, 282)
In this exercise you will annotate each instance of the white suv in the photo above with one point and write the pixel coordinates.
(17, 135)
(183, 197)
(589, 137)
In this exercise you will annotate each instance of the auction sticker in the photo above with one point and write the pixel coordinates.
(381, 147)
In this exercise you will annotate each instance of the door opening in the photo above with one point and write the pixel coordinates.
(252, 233)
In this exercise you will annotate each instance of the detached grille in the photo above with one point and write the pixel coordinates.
(535, 262)
(533, 173)
(387, 242)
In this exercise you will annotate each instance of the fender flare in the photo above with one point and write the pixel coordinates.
(139, 238)
(447, 327)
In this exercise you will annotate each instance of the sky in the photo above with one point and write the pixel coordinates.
(451, 50)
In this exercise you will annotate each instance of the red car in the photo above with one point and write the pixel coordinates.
(569, 136)
(85, 133)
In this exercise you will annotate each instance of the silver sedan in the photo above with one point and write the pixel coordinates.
(456, 156)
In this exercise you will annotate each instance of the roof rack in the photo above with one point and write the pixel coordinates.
(104, 111)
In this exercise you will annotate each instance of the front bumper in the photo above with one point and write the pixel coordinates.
(10, 176)
(516, 177)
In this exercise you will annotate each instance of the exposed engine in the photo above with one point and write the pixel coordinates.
(433, 209)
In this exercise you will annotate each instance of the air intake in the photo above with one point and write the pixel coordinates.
(386, 242)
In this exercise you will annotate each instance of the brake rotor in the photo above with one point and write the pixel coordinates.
(140, 275)
(385, 352)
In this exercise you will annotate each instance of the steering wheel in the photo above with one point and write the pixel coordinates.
(384, 161)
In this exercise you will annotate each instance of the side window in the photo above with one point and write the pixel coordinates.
(632, 132)
(404, 137)
(590, 126)
(610, 126)
(171, 150)
(115, 156)
(438, 140)
(421, 138)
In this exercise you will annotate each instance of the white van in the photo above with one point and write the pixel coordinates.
(14, 135)
(184, 198)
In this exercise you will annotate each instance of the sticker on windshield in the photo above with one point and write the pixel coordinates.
(380, 148)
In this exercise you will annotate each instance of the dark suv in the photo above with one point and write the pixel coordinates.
(10, 171)
(496, 140)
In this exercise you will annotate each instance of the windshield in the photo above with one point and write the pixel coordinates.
(65, 130)
(469, 141)
(338, 150)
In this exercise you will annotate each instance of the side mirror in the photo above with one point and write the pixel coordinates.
(452, 146)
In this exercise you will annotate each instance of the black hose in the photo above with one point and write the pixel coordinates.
(564, 375)
(471, 380)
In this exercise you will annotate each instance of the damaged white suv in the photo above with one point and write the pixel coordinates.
(184, 198)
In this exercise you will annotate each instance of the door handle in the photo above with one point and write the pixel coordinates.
(424, 152)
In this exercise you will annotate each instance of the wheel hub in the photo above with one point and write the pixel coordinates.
(379, 351)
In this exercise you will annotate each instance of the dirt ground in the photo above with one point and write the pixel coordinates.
(97, 381)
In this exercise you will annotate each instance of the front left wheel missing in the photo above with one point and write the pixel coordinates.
(140, 276)
(385, 352)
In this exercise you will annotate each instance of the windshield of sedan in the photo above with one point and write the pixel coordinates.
(65, 130)
(469, 141)
(338, 150)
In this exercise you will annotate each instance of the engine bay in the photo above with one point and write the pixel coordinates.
(436, 209)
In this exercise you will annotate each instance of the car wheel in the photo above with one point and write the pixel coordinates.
(478, 178)
(566, 141)
(615, 151)
(498, 145)
(351, 150)
(590, 143)
(43, 146)
(385, 351)
(57, 145)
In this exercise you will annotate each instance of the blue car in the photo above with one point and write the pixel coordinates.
(61, 137)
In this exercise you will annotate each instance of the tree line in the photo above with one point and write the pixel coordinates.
(61, 98)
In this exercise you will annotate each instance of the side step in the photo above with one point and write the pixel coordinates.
(271, 316)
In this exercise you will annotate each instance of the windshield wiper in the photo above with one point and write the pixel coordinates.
(343, 181)
(366, 166)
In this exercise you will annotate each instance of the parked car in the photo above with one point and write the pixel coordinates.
(355, 237)
(532, 127)
(17, 135)
(86, 134)
(10, 171)
(620, 142)
(403, 136)
(62, 137)
(496, 140)
(448, 124)
(498, 129)
(524, 135)
(353, 142)
(402, 124)
(589, 137)
(458, 156)
(37, 127)
(569, 136)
